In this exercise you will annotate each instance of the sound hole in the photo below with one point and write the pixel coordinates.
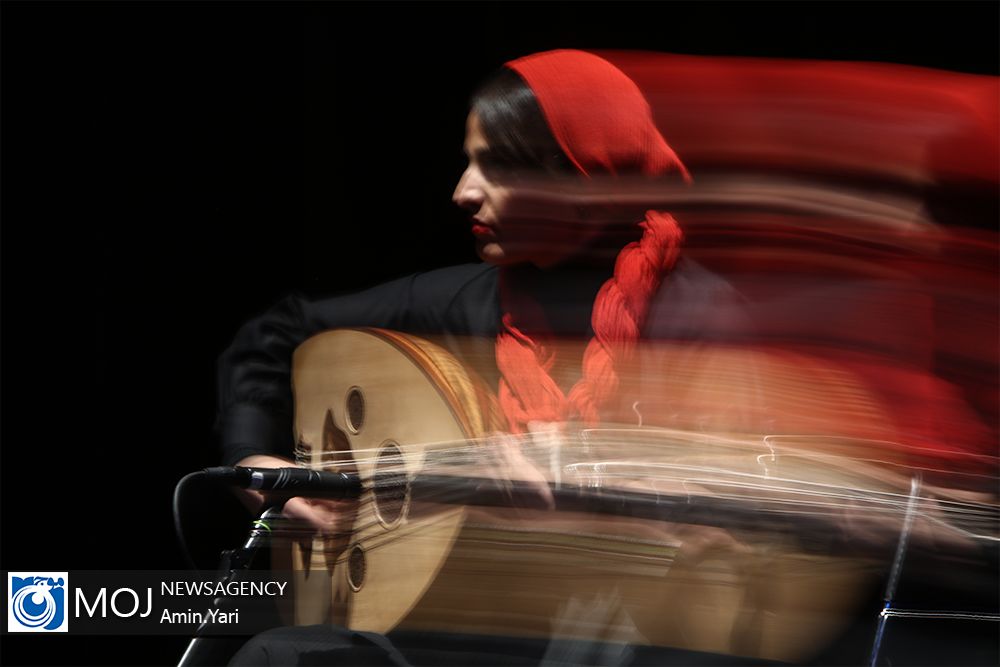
(390, 485)
(336, 446)
(356, 568)
(355, 409)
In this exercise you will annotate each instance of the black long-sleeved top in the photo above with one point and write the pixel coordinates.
(254, 374)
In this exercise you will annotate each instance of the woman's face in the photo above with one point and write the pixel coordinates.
(516, 217)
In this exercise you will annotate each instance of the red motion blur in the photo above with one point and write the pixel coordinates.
(873, 119)
(910, 306)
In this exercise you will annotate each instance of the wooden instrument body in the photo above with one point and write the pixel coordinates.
(520, 572)
(370, 578)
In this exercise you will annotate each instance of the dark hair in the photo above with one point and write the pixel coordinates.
(515, 127)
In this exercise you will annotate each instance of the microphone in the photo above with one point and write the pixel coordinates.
(290, 481)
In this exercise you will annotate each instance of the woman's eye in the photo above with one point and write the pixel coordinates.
(495, 167)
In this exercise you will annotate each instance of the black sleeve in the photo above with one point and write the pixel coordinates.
(254, 373)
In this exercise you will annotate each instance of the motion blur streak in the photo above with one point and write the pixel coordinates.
(854, 206)
(870, 120)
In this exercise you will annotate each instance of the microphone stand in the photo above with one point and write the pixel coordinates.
(897, 567)
(232, 562)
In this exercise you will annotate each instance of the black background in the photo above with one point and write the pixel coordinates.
(169, 170)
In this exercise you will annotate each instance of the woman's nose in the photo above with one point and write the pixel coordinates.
(468, 193)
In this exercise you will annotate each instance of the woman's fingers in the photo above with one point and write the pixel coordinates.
(513, 465)
(254, 500)
(326, 517)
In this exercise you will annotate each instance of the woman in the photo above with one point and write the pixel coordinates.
(556, 144)
(548, 138)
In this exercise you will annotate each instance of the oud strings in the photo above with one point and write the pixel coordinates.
(724, 468)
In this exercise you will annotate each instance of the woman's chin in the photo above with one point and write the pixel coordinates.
(492, 252)
(506, 254)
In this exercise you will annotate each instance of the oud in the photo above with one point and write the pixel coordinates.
(709, 540)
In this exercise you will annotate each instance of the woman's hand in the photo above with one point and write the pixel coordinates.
(325, 517)
(511, 463)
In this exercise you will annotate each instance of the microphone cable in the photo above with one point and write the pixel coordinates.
(178, 528)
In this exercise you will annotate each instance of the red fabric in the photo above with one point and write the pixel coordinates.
(877, 120)
(597, 114)
(933, 309)
(605, 127)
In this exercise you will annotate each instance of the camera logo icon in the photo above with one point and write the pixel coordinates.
(36, 601)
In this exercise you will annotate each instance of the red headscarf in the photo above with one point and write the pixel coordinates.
(604, 125)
